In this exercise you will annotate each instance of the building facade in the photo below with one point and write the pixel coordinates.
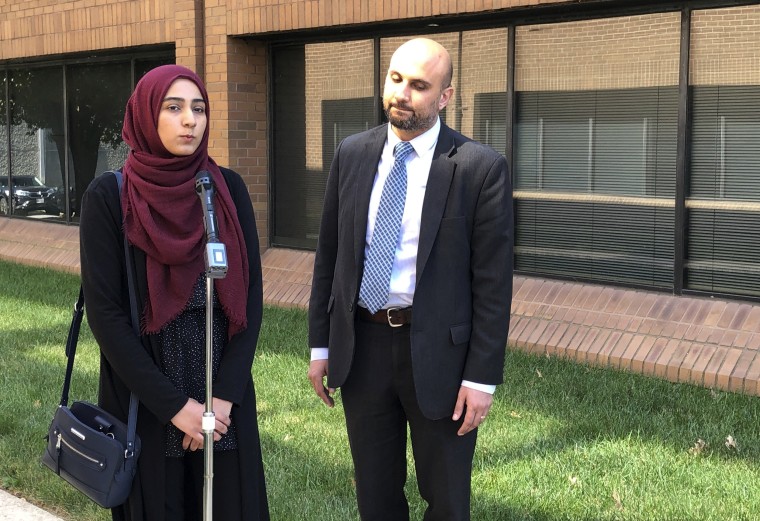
(632, 129)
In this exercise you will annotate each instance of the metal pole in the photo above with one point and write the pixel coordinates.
(216, 268)
(209, 419)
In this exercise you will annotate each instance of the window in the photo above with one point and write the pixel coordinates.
(342, 118)
(37, 142)
(4, 207)
(724, 195)
(490, 126)
(596, 185)
(95, 122)
(595, 143)
(322, 93)
(483, 87)
(63, 154)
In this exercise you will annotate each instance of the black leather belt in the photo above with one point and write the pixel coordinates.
(394, 317)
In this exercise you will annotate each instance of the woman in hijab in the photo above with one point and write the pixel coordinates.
(166, 128)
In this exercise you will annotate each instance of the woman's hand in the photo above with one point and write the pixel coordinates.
(189, 420)
(223, 414)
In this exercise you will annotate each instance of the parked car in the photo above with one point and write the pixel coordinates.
(29, 194)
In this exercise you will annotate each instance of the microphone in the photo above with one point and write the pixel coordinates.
(216, 253)
(204, 187)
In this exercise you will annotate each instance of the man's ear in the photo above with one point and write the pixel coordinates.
(445, 97)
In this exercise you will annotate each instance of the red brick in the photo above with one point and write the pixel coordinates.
(697, 373)
(598, 343)
(741, 370)
(552, 345)
(674, 364)
(639, 357)
(715, 312)
(619, 349)
(740, 316)
(693, 352)
(653, 355)
(729, 313)
(615, 337)
(713, 366)
(726, 370)
(572, 331)
(752, 377)
(752, 322)
(667, 354)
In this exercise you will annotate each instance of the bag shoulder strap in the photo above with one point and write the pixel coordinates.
(73, 336)
(133, 401)
(71, 345)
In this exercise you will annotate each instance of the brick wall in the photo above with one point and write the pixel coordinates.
(48, 27)
(189, 33)
(609, 53)
(619, 52)
(234, 70)
(725, 46)
(261, 16)
(236, 79)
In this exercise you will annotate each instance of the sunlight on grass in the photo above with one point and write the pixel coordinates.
(562, 442)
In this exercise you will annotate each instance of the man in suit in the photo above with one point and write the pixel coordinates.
(418, 339)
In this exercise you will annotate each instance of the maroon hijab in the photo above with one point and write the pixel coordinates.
(163, 214)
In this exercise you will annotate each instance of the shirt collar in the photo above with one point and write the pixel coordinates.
(423, 143)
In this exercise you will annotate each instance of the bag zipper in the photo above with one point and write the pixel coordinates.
(77, 451)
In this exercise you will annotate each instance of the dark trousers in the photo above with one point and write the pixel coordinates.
(379, 400)
(184, 487)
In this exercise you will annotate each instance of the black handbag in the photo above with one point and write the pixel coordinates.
(88, 447)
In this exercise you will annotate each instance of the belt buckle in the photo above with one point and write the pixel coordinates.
(390, 320)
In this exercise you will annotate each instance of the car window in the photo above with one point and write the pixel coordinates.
(26, 180)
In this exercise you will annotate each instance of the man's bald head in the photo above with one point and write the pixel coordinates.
(417, 86)
(429, 50)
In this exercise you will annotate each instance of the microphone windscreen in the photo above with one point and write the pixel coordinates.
(203, 180)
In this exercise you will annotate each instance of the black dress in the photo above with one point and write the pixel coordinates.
(129, 364)
(183, 358)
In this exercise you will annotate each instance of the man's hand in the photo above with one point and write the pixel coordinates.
(317, 374)
(477, 403)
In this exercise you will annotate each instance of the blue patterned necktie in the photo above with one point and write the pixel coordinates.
(379, 262)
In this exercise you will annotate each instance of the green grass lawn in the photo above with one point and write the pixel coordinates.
(563, 441)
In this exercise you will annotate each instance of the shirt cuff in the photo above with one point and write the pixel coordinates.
(319, 353)
(490, 389)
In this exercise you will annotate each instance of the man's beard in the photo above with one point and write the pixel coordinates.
(413, 122)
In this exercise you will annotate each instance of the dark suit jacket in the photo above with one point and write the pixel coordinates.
(463, 289)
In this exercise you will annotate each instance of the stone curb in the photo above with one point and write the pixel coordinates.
(14, 508)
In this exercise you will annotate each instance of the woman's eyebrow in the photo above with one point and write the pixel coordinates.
(174, 98)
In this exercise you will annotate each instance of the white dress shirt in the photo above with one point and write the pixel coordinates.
(404, 272)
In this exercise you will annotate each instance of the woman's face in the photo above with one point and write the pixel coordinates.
(182, 119)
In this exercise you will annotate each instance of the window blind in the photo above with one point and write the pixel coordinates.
(723, 205)
(595, 184)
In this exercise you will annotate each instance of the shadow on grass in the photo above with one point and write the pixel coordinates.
(589, 403)
(563, 405)
(307, 486)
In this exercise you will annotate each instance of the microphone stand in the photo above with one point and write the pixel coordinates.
(216, 268)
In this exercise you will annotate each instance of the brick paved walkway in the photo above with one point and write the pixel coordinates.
(705, 341)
